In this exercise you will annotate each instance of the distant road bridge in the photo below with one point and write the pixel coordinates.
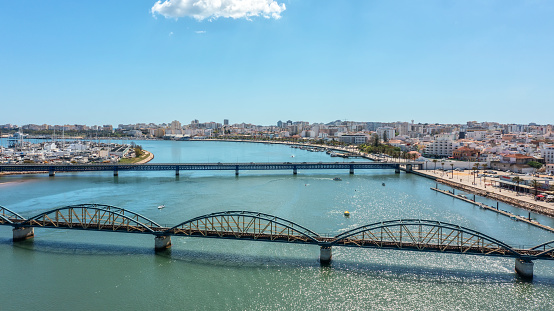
(404, 234)
(177, 167)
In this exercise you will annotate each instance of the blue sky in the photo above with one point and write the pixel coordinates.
(111, 62)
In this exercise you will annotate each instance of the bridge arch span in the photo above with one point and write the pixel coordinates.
(92, 217)
(424, 235)
(8, 216)
(245, 225)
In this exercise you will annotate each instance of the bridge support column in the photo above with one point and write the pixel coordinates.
(408, 168)
(162, 242)
(115, 173)
(294, 171)
(325, 255)
(237, 172)
(524, 268)
(51, 173)
(23, 233)
(397, 170)
(351, 170)
(177, 171)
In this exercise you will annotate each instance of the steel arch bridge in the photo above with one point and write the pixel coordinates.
(424, 235)
(245, 225)
(404, 234)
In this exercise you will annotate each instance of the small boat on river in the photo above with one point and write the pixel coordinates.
(337, 179)
(161, 206)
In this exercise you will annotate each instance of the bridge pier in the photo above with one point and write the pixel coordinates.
(23, 233)
(408, 168)
(351, 170)
(51, 173)
(177, 171)
(115, 173)
(325, 255)
(237, 172)
(294, 171)
(524, 268)
(162, 242)
(397, 170)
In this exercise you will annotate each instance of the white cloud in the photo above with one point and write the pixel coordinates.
(200, 31)
(213, 9)
(171, 34)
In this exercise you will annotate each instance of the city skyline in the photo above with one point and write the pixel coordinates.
(142, 61)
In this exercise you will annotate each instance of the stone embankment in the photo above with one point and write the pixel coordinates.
(147, 159)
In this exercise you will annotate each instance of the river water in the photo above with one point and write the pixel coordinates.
(66, 269)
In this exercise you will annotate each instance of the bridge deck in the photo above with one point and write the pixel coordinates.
(290, 238)
(201, 166)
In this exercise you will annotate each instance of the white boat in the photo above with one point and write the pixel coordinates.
(161, 206)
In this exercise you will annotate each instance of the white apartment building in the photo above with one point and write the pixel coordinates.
(550, 169)
(390, 132)
(440, 148)
(355, 139)
(547, 153)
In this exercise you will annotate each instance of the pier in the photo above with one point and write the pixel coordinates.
(527, 220)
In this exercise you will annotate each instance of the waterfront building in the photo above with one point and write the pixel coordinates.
(355, 139)
(547, 153)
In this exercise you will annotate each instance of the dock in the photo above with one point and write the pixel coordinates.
(496, 210)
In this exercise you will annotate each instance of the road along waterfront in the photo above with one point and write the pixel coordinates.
(76, 269)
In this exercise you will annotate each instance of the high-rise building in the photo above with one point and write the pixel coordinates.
(225, 121)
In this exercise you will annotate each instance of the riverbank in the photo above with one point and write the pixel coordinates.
(145, 158)
(148, 156)
(495, 193)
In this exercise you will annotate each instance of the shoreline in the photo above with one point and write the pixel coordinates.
(506, 196)
(149, 158)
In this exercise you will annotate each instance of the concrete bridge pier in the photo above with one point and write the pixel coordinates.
(325, 255)
(162, 242)
(397, 170)
(115, 173)
(23, 233)
(294, 171)
(408, 168)
(524, 268)
(351, 170)
(51, 173)
(177, 171)
(237, 172)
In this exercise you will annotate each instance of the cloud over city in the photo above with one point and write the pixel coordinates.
(213, 9)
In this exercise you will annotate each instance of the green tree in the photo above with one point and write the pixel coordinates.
(517, 180)
(435, 162)
(385, 138)
(534, 164)
(375, 140)
(138, 151)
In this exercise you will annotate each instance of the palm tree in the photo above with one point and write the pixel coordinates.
(475, 171)
(435, 161)
(452, 166)
(517, 180)
(535, 184)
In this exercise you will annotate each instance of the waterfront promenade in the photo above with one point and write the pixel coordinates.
(464, 181)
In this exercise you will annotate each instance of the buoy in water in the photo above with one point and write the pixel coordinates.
(346, 213)
(383, 184)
